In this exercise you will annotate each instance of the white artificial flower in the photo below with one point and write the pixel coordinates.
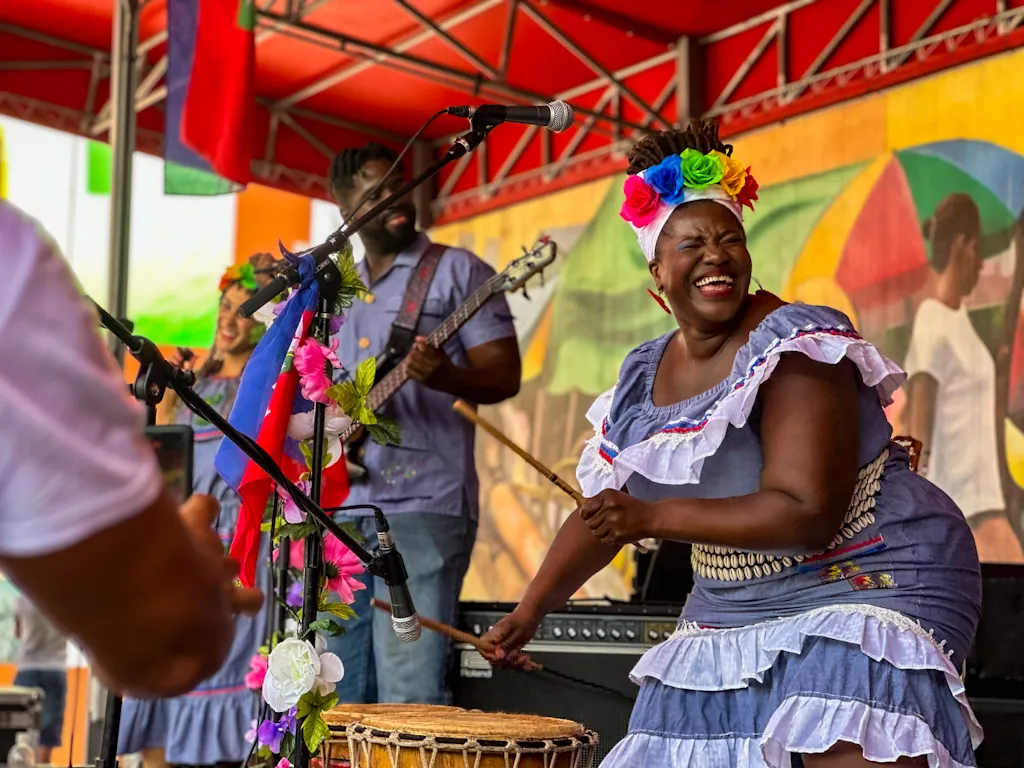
(292, 669)
(300, 427)
(331, 669)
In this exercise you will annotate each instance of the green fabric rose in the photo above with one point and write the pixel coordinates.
(700, 171)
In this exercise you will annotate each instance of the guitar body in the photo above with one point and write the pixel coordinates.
(391, 375)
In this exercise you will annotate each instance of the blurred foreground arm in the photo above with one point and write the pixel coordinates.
(85, 529)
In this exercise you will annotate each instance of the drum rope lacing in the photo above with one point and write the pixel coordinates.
(578, 750)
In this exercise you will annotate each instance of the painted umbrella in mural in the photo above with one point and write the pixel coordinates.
(869, 238)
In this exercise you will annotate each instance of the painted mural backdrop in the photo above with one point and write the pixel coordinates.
(846, 194)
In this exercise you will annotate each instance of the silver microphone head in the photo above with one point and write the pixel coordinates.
(407, 629)
(561, 116)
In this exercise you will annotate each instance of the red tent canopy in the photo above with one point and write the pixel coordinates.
(333, 73)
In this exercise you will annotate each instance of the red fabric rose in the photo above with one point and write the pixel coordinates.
(748, 195)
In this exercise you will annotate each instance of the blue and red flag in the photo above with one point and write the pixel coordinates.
(210, 104)
(268, 396)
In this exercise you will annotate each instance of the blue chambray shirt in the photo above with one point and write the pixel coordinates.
(433, 470)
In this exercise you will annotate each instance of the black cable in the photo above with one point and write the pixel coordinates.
(579, 681)
(368, 195)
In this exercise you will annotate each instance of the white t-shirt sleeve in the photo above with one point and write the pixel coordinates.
(73, 458)
(928, 351)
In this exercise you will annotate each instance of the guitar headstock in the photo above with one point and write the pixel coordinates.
(532, 262)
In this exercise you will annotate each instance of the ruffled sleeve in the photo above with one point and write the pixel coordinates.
(673, 451)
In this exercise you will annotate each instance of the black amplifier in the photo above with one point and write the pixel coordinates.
(587, 650)
(21, 711)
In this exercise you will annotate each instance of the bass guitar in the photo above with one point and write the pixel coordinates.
(391, 378)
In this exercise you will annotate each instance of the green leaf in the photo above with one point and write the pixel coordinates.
(326, 460)
(320, 625)
(305, 705)
(307, 453)
(346, 396)
(385, 432)
(265, 527)
(314, 730)
(350, 283)
(287, 745)
(366, 416)
(296, 531)
(365, 374)
(341, 610)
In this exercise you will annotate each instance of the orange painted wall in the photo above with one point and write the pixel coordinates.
(76, 714)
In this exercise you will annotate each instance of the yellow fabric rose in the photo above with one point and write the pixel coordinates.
(734, 175)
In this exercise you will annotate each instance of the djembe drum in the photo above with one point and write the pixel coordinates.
(342, 716)
(469, 740)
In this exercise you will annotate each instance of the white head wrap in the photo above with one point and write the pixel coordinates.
(648, 235)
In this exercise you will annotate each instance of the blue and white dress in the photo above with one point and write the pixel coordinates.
(776, 655)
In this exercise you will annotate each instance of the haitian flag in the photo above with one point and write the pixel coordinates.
(268, 396)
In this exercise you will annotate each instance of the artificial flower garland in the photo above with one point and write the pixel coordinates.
(243, 274)
(667, 183)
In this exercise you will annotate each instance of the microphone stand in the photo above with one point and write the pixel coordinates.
(154, 376)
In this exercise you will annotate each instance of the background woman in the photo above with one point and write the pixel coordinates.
(836, 592)
(208, 726)
(951, 395)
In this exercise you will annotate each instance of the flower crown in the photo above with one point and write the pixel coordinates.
(243, 274)
(683, 177)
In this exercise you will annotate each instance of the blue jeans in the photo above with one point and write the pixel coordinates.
(378, 666)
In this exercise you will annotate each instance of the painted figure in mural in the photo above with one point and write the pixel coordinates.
(178, 731)
(427, 485)
(836, 592)
(87, 530)
(951, 398)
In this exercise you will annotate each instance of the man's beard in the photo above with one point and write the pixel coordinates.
(387, 240)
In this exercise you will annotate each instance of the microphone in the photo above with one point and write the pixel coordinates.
(404, 618)
(556, 116)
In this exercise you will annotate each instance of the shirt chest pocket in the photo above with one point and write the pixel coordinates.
(434, 313)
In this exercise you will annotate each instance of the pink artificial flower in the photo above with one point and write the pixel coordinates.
(284, 762)
(641, 203)
(257, 671)
(311, 359)
(342, 567)
(291, 512)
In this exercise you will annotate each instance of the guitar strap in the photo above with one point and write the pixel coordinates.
(403, 330)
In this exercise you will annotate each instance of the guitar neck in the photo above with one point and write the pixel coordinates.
(386, 387)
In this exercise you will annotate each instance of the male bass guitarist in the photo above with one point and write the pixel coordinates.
(427, 485)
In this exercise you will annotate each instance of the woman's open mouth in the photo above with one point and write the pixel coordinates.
(715, 286)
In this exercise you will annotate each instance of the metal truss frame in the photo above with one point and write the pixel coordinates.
(609, 90)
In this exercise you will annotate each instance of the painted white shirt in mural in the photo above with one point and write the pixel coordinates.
(964, 459)
(73, 460)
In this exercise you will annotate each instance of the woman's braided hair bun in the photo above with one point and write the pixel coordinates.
(701, 135)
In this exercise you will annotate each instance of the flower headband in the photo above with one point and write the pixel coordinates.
(653, 194)
(243, 274)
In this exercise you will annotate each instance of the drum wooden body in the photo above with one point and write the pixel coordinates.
(342, 716)
(469, 740)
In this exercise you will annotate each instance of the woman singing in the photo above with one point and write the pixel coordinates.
(836, 592)
(208, 725)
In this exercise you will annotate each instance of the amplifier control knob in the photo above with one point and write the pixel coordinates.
(571, 633)
(616, 634)
(478, 630)
(556, 632)
(630, 634)
(586, 634)
(653, 635)
(601, 634)
(666, 635)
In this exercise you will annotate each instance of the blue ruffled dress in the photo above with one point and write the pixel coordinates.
(208, 725)
(777, 655)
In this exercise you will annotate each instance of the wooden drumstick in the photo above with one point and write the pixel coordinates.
(471, 415)
(468, 413)
(450, 632)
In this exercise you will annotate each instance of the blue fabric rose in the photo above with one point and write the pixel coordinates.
(667, 179)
